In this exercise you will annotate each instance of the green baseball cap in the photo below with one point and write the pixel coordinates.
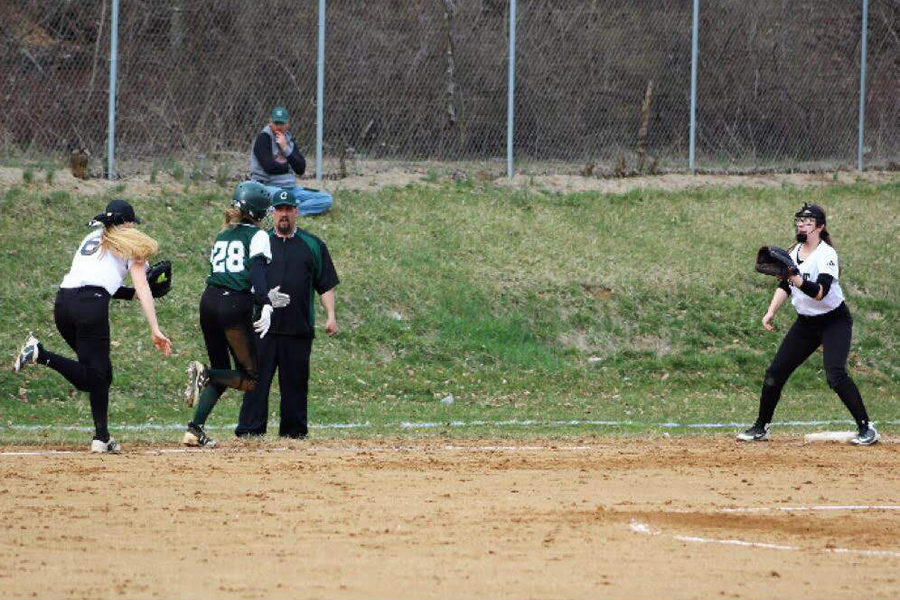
(283, 198)
(280, 115)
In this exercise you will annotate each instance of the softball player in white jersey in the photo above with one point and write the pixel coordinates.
(823, 319)
(81, 310)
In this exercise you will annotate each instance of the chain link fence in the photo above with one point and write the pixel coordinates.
(602, 86)
(779, 82)
(54, 73)
(605, 82)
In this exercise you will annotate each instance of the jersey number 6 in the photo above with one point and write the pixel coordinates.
(227, 256)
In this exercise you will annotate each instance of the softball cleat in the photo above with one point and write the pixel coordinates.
(867, 437)
(757, 433)
(197, 378)
(110, 447)
(28, 354)
(196, 436)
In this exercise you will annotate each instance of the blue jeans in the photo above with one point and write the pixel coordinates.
(309, 201)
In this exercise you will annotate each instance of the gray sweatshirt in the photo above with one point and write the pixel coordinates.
(265, 166)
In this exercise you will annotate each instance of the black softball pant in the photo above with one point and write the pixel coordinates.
(832, 331)
(290, 356)
(82, 318)
(226, 318)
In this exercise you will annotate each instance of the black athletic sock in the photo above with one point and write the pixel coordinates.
(852, 399)
(99, 400)
(768, 400)
(42, 357)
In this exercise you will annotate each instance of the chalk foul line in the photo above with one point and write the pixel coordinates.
(644, 529)
(524, 423)
(343, 449)
(810, 508)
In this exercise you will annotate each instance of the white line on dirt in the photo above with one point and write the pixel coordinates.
(864, 552)
(810, 508)
(691, 538)
(40, 453)
(342, 450)
(432, 424)
(515, 448)
(643, 528)
(638, 527)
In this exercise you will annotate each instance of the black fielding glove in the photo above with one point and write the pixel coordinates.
(159, 276)
(775, 261)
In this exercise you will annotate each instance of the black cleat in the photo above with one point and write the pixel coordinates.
(867, 437)
(196, 436)
(757, 433)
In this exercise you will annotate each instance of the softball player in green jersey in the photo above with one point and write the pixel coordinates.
(236, 282)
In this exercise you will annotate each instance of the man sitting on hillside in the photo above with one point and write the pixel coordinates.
(276, 162)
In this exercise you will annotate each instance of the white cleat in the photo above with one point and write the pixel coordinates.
(28, 354)
(110, 447)
(197, 378)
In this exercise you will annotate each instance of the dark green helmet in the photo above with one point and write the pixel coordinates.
(252, 199)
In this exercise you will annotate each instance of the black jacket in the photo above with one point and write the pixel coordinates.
(301, 265)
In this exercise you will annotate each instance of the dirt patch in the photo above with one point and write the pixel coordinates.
(674, 181)
(536, 519)
(380, 177)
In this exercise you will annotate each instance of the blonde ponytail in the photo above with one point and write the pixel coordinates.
(128, 242)
(233, 216)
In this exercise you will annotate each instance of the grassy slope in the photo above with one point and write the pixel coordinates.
(522, 304)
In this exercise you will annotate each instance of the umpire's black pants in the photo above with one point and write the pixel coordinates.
(290, 356)
(82, 318)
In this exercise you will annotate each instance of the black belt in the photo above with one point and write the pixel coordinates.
(226, 290)
(85, 289)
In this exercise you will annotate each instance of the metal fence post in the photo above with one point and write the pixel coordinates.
(862, 86)
(320, 91)
(694, 44)
(511, 89)
(113, 65)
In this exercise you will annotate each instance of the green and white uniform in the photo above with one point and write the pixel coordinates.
(226, 313)
(234, 248)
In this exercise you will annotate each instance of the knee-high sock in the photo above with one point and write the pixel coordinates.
(208, 398)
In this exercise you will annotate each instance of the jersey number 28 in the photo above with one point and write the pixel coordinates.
(227, 256)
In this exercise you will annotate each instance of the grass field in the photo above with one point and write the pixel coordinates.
(639, 309)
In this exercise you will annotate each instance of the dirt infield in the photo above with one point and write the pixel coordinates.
(616, 518)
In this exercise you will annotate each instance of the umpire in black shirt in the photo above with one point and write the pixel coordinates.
(301, 265)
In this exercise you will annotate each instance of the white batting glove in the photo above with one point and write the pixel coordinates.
(278, 298)
(265, 321)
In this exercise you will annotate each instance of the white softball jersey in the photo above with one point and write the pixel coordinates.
(92, 266)
(823, 259)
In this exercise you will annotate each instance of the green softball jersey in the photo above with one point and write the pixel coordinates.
(229, 261)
